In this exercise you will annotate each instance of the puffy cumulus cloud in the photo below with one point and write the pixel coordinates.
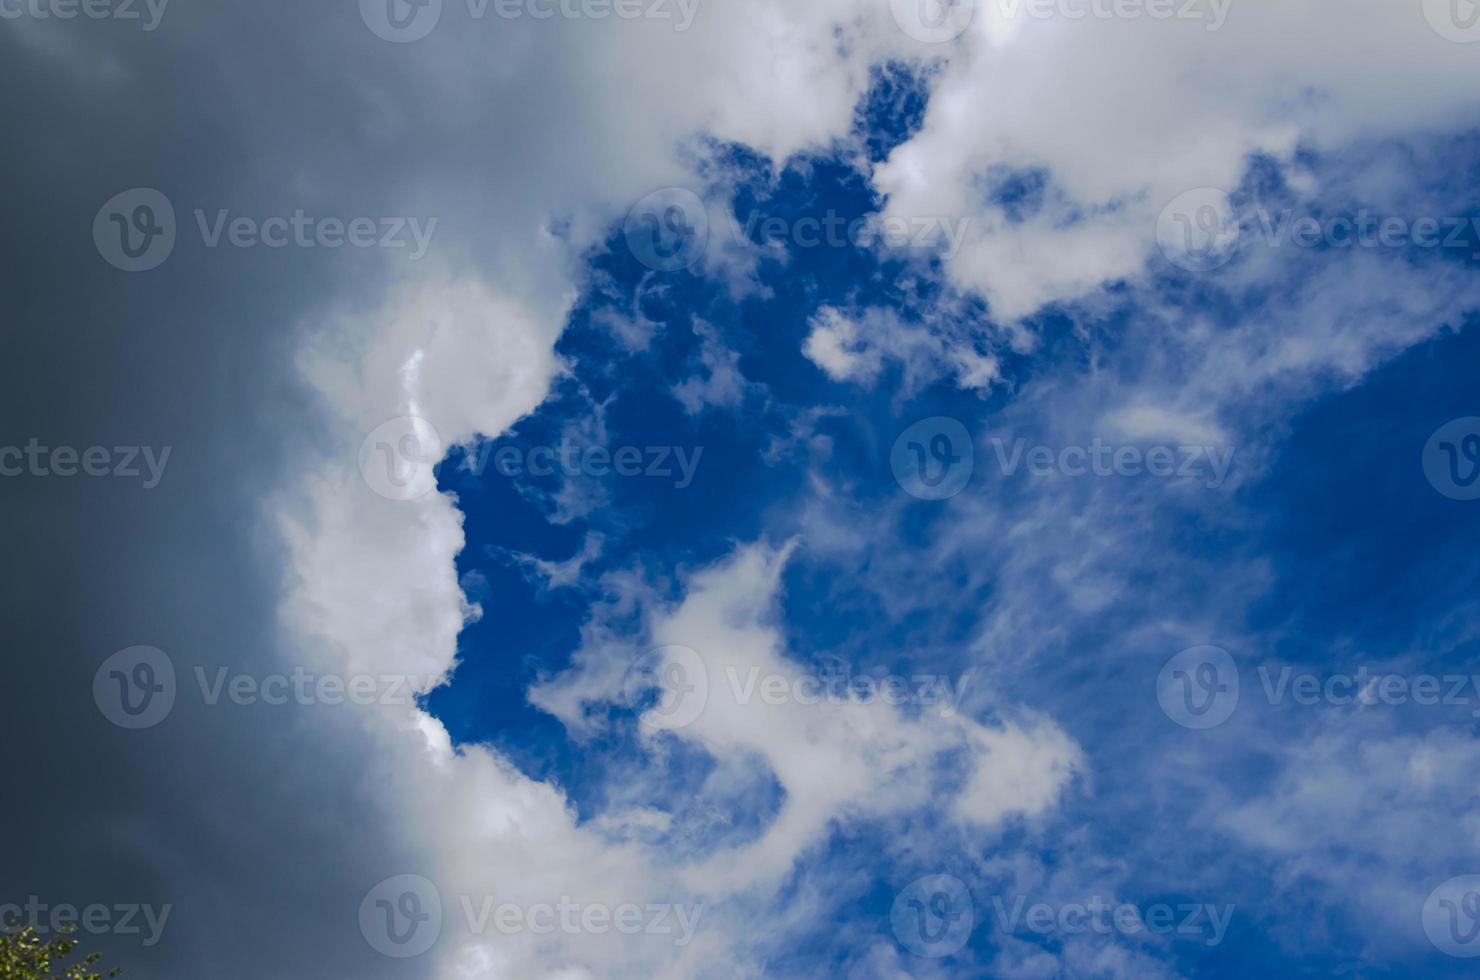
(835, 347)
(376, 587)
(946, 342)
(1105, 121)
(730, 688)
(375, 591)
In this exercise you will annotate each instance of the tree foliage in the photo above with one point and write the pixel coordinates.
(24, 955)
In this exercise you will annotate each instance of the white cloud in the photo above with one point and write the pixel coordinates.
(834, 346)
(833, 759)
(1125, 115)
